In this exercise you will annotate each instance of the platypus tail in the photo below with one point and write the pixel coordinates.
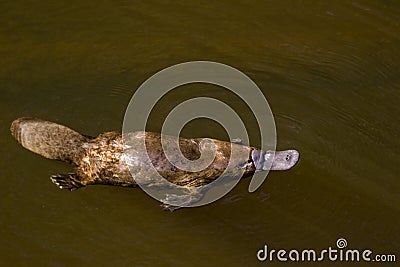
(51, 140)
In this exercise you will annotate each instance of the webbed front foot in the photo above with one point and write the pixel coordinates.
(174, 202)
(168, 207)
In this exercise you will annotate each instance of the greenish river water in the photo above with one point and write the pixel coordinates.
(330, 71)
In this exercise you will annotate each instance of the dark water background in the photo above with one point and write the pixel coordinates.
(330, 71)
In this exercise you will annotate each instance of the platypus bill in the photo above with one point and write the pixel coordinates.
(100, 160)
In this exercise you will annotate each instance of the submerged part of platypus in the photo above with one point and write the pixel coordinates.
(101, 160)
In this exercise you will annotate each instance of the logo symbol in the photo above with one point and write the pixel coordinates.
(341, 243)
(153, 89)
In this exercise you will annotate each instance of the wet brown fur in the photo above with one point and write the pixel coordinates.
(99, 161)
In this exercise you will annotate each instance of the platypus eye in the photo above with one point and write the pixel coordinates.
(288, 157)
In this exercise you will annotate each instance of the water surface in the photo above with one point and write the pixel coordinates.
(330, 71)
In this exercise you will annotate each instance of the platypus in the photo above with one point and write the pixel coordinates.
(101, 160)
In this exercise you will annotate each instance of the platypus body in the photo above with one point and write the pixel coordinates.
(101, 160)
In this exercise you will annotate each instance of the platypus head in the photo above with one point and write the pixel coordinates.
(282, 160)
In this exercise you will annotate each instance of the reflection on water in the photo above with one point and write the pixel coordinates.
(330, 72)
